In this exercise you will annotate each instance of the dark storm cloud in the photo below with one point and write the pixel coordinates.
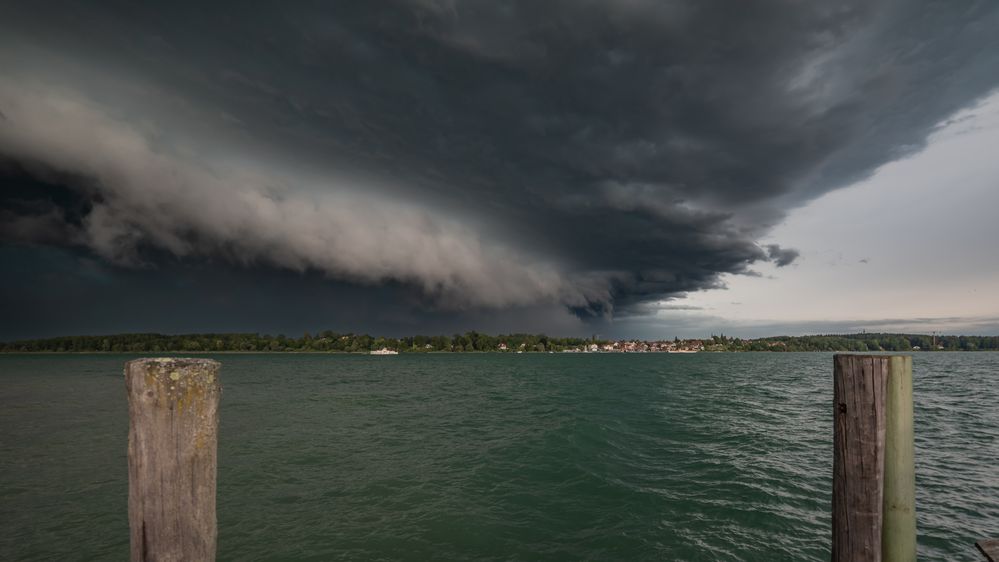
(781, 256)
(49, 291)
(594, 155)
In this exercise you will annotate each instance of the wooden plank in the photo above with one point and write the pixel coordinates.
(989, 548)
(859, 387)
(172, 443)
(898, 532)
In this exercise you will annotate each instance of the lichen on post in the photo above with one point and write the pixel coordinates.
(172, 454)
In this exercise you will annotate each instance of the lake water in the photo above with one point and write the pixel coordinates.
(496, 457)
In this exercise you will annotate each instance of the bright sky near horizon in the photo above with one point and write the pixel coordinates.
(913, 248)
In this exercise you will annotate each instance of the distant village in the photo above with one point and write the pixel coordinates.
(626, 346)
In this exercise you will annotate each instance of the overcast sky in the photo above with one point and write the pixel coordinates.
(628, 168)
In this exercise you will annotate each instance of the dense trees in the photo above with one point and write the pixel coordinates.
(323, 342)
(328, 341)
(866, 342)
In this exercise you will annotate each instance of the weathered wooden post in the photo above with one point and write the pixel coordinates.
(989, 549)
(873, 471)
(859, 389)
(172, 438)
(899, 527)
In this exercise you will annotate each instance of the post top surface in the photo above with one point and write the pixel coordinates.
(175, 362)
(882, 354)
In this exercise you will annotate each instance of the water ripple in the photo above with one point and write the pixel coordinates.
(497, 457)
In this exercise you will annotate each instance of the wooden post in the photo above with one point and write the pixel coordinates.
(859, 382)
(172, 438)
(989, 549)
(899, 527)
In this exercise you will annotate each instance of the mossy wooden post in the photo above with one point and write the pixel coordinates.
(899, 527)
(172, 438)
(859, 386)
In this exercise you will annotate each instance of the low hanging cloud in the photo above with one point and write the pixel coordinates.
(600, 156)
(139, 196)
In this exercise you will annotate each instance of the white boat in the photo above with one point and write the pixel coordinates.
(384, 351)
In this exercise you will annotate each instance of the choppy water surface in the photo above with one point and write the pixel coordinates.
(504, 457)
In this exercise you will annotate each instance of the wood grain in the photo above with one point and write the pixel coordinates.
(859, 383)
(172, 444)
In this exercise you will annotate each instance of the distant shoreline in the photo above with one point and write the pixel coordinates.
(410, 354)
(404, 352)
(474, 342)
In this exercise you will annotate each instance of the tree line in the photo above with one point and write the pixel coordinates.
(327, 341)
(856, 342)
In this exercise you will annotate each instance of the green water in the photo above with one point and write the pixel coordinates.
(496, 457)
